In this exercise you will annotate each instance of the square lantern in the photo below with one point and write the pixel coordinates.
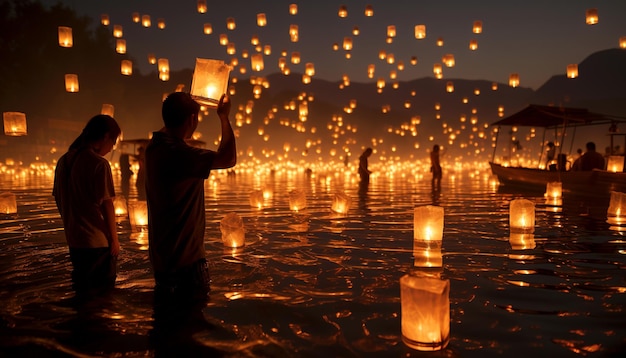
(616, 213)
(127, 67)
(522, 216)
(71, 82)
(108, 109)
(138, 215)
(233, 232)
(65, 36)
(521, 241)
(554, 190)
(256, 199)
(14, 123)
(427, 236)
(210, 81)
(8, 203)
(297, 200)
(425, 311)
(615, 164)
(120, 207)
(341, 203)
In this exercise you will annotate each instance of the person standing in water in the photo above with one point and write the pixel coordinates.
(435, 168)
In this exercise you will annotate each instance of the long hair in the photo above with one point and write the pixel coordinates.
(97, 127)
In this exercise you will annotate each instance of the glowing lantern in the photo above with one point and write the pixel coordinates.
(104, 19)
(297, 200)
(343, 11)
(202, 6)
(118, 31)
(208, 29)
(615, 164)
(440, 41)
(420, 32)
(616, 213)
(71, 82)
(293, 33)
(310, 69)
(428, 223)
(8, 203)
(514, 80)
(380, 84)
(520, 241)
(164, 76)
(437, 69)
(161, 23)
(473, 45)
(210, 81)
(370, 70)
(261, 20)
(591, 16)
(622, 42)
(413, 60)
(230, 23)
(425, 307)
(554, 190)
(448, 60)
(152, 59)
(347, 43)
(138, 215)
(522, 216)
(136, 17)
(127, 67)
(14, 124)
(293, 9)
(120, 207)
(572, 71)
(230, 48)
(449, 87)
(341, 203)
(65, 36)
(494, 86)
(391, 31)
(256, 199)
(107, 109)
(164, 65)
(145, 21)
(120, 46)
(256, 61)
(295, 57)
(478, 27)
(233, 232)
(369, 10)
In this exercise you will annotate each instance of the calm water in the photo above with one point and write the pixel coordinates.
(316, 283)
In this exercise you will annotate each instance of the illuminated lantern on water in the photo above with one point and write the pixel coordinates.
(514, 80)
(256, 62)
(14, 124)
(440, 41)
(554, 190)
(138, 215)
(65, 36)
(478, 27)
(71, 82)
(369, 10)
(616, 213)
(127, 67)
(341, 203)
(104, 19)
(202, 6)
(522, 216)
(428, 223)
(8, 203)
(521, 241)
(473, 45)
(120, 207)
(120, 46)
(107, 109)
(297, 200)
(420, 32)
(615, 164)
(146, 21)
(591, 16)
(118, 31)
(261, 20)
(210, 81)
(343, 11)
(572, 71)
(425, 311)
(233, 231)
(256, 199)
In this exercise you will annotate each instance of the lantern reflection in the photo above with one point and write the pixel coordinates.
(521, 241)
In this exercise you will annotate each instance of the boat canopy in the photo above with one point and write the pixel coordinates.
(548, 116)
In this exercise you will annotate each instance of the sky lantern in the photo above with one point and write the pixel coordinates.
(420, 32)
(514, 80)
(356, 31)
(164, 65)
(223, 39)
(391, 31)
(145, 21)
(282, 63)
(202, 6)
(295, 57)
(261, 19)
(370, 70)
(230, 48)
(210, 81)
(494, 86)
(343, 11)
(572, 70)
(107, 109)
(382, 54)
(127, 67)
(297, 200)
(71, 82)
(347, 43)
(65, 36)
(161, 23)
(437, 69)
(413, 60)
(293, 9)
(230, 23)
(164, 76)
(152, 59)
(440, 41)
(118, 31)
(391, 58)
(104, 20)
(310, 69)
(306, 79)
(591, 16)
(208, 29)
(14, 124)
(256, 62)
(136, 17)
(448, 60)
(369, 10)
(380, 84)
(478, 27)
(393, 74)
(473, 45)
(120, 46)
(622, 42)
(293, 32)
(449, 87)
(267, 50)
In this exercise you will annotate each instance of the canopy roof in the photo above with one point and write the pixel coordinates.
(547, 116)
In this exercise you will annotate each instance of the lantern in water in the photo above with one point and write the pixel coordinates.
(233, 232)
(256, 62)
(138, 215)
(572, 71)
(420, 31)
(120, 46)
(369, 10)
(297, 200)
(428, 223)
(71, 82)
(622, 42)
(616, 214)
(478, 27)
(145, 21)
(119, 205)
(554, 190)
(65, 36)
(425, 307)
(127, 67)
(161, 23)
(208, 29)
(615, 164)
(202, 6)
(261, 20)
(8, 203)
(14, 124)
(473, 45)
(107, 109)
(522, 241)
(210, 81)
(293, 9)
(104, 19)
(522, 216)
(341, 203)
(514, 80)
(230, 48)
(449, 87)
(117, 31)
(256, 199)
(343, 11)
(591, 16)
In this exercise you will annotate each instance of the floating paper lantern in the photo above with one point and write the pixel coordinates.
(256, 199)
(420, 32)
(164, 76)
(521, 241)
(202, 8)
(65, 36)
(210, 81)
(14, 124)
(522, 216)
(127, 67)
(622, 42)
(261, 20)
(8, 203)
(428, 223)
(293, 33)
(208, 29)
(146, 21)
(440, 41)
(138, 215)
(256, 62)
(448, 60)
(391, 31)
(297, 200)
(230, 48)
(591, 16)
(478, 27)
(615, 164)
(341, 203)
(473, 45)
(267, 50)
(554, 190)
(233, 231)
(370, 70)
(152, 59)
(343, 11)
(449, 87)
(104, 20)
(572, 71)
(295, 57)
(71, 82)
(616, 213)
(136, 17)
(413, 60)
(107, 109)
(425, 307)
(293, 9)
(514, 80)
(310, 69)
(120, 46)
(230, 23)
(164, 65)
(120, 207)
(437, 69)
(347, 43)
(118, 31)
(161, 23)
(369, 10)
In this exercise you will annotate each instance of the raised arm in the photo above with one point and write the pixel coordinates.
(227, 150)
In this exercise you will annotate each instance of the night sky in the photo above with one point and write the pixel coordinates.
(536, 39)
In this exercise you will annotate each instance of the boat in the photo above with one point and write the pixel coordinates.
(560, 119)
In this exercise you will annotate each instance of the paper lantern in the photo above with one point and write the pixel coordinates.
(448, 60)
(223, 39)
(108, 109)
(230, 23)
(136, 17)
(391, 58)
(347, 43)
(256, 199)
(370, 70)
(591, 16)
(138, 215)
(14, 124)
(65, 36)
(616, 213)
(478, 27)
(622, 42)
(233, 231)
(615, 164)
(297, 200)
(425, 311)
(521, 241)
(437, 69)
(210, 81)
(161, 23)
(522, 216)
(152, 59)
(104, 20)
(380, 83)
(120, 207)
(428, 223)
(341, 203)
(295, 57)
(439, 41)
(420, 32)
(343, 11)
(208, 29)
(120, 46)
(473, 45)
(514, 80)
(256, 62)
(118, 31)
(554, 189)
(127, 67)
(572, 71)
(8, 203)
(230, 48)
(164, 76)
(449, 87)
(369, 10)
(261, 20)
(293, 9)
(71, 82)
(145, 21)
(293, 33)
(413, 60)
(391, 31)
(309, 69)
(202, 8)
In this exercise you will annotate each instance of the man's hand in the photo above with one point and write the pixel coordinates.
(223, 107)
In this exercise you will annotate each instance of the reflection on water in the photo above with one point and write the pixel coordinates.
(314, 282)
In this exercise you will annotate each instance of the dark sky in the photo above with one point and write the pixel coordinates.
(536, 39)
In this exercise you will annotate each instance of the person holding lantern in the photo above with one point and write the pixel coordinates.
(83, 191)
(175, 174)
